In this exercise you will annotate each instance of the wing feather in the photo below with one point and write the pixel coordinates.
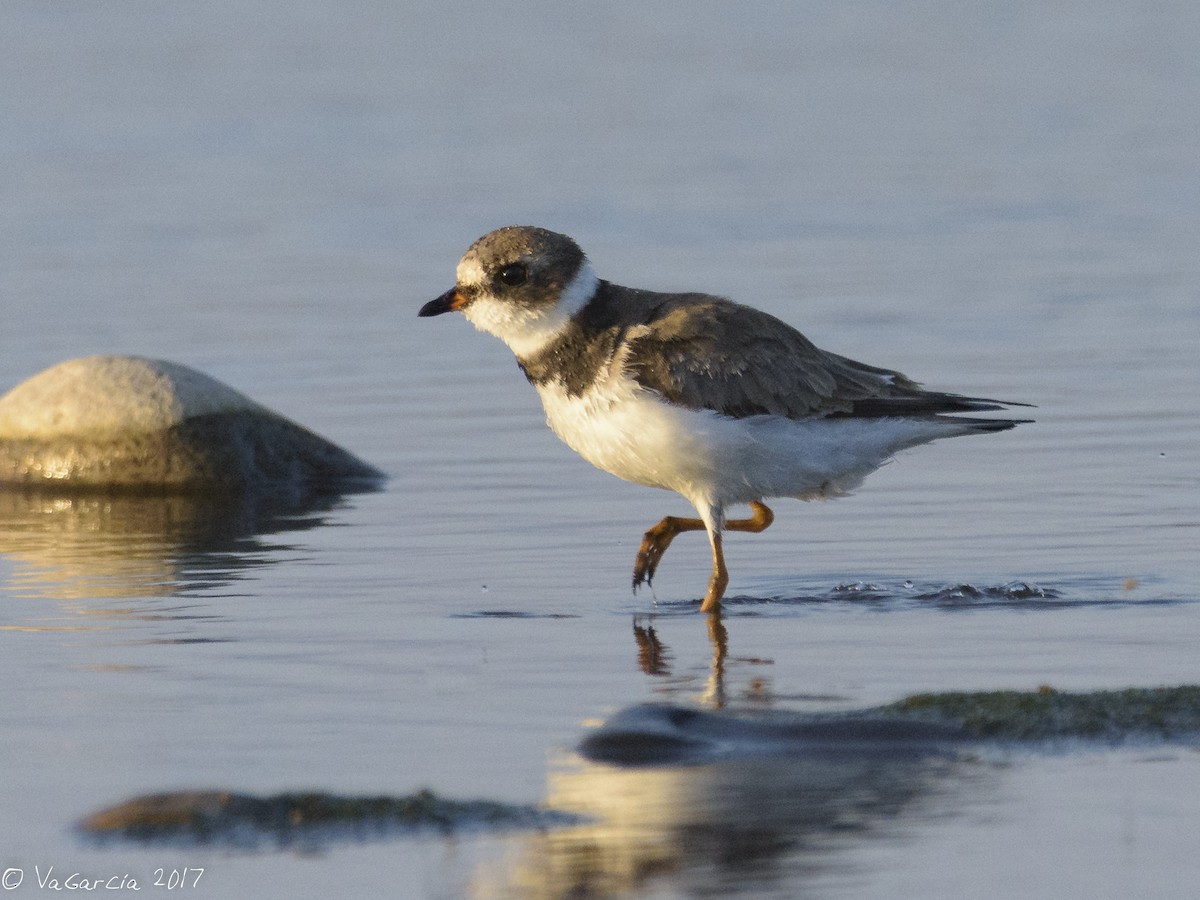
(707, 352)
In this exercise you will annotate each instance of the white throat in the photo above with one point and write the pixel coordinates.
(527, 331)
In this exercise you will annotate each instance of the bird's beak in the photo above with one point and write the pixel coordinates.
(450, 301)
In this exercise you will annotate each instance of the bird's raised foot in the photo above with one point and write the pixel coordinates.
(655, 543)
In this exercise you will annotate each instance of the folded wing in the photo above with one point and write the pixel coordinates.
(706, 352)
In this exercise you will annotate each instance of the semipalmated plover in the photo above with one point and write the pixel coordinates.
(690, 392)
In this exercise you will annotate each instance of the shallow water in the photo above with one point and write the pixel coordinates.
(998, 201)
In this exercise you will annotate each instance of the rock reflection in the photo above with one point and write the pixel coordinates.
(66, 546)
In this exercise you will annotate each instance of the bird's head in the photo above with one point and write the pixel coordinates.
(522, 284)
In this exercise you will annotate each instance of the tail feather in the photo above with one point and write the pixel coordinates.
(924, 403)
(984, 426)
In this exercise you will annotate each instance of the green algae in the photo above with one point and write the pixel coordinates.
(302, 818)
(1164, 712)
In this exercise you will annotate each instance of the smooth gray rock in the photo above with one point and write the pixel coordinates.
(125, 423)
(662, 733)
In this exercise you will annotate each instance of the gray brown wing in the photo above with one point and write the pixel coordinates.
(710, 353)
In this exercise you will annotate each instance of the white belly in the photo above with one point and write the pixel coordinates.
(718, 460)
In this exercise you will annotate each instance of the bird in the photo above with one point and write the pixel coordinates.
(718, 401)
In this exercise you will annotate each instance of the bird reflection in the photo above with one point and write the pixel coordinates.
(654, 658)
(714, 696)
(709, 829)
(710, 797)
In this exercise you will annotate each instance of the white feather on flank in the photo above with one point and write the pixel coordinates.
(715, 460)
(526, 330)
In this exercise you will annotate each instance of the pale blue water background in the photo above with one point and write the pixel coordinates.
(999, 199)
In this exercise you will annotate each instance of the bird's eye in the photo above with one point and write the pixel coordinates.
(513, 274)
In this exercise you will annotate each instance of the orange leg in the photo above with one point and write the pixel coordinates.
(760, 519)
(656, 541)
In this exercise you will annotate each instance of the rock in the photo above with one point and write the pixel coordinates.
(662, 733)
(312, 820)
(124, 423)
(920, 725)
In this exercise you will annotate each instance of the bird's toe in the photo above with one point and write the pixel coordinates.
(646, 564)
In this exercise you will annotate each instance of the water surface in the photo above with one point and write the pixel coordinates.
(999, 201)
